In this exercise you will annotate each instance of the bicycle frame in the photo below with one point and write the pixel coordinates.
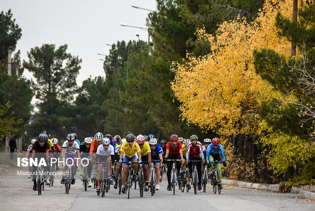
(214, 180)
(174, 173)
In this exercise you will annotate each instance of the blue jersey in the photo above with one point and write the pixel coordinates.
(155, 153)
(212, 151)
(78, 142)
(113, 144)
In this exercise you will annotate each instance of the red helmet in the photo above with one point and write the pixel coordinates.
(140, 139)
(174, 137)
(215, 141)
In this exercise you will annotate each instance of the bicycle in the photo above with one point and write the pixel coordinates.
(153, 177)
(174, 174)
(162, 171)
(40, 179)
(119, 179)
(195, 175)
(105, 181)
(215, 179)
(85, 174)
(204, 180)
(141, 179)
(129, 177)
(184, 180)
(52, 174)
(68, 178)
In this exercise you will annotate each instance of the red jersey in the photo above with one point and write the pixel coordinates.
(173, 150)
(57, 148)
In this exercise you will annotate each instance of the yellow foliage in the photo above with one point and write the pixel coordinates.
(221, 91)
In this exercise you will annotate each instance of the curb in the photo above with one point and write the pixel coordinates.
(307, 194)
(256, 186)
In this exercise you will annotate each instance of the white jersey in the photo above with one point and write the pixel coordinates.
(71, 150)
(101, 151)
(30, 147)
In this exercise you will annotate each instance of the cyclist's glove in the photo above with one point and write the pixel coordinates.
(120, 160)
(139, 160)
(224, 163)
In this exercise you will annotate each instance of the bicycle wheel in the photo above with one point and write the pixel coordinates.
(195, 178)
(152, 186)
(161, 174)
(119, 183)
(205, 181)
(174, 181)
(52, 182)
(129, 184)
(39, 187)
(103, 187)
(141, 182)
(85, 184)
(219, 190)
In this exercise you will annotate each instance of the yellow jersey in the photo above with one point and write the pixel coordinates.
(118, 148)
(145, 149)
(50, 143)
(184, 150)
(130, 151)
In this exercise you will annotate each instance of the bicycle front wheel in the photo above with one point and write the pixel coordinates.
(174, 182)
(141, 182)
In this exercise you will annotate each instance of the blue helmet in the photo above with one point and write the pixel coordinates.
(151, 136)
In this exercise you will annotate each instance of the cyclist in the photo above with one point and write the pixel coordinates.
(195, 152)
(117, 145)
(118, 165)
(112, 141)
(41, 150)
(76, 138)
(157, 155)
(85, 149)
(104, 152)
(173, 151)
(146, 157)
(146, 138)
(29, 155)
(213, 153)
(130, 151)
(98, 137)
(150, 136)
(57, 150)
(163, 146)
(207, 142)
(69, 148)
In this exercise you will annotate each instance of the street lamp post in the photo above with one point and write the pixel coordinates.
(138, 27)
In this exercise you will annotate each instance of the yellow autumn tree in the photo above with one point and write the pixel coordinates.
(221, 91)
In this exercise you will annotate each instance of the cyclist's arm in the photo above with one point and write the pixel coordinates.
(63, 153)
(139, 154)
(121, 154)
(33, 153)
(201, 152)
(161, 157)
(208, 154)
(47, 155)
(149, 157)
(181, 154)
(187, 153)
(167, 153)
(78, 151)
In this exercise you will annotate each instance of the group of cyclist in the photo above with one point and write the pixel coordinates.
(143, 149)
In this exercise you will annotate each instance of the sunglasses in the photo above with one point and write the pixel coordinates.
(153, 145)
(129, 141)
(71, 141)
(174, 141)
(140, 144)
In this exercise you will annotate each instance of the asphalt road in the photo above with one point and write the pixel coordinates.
(16, 194)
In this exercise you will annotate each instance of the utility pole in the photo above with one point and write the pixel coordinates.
(295, 7)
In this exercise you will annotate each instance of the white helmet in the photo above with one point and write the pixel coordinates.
(88, 140)
(33, 141)
(106, 141)
(98, 136)
(54, 141)
(207, 140)
(187, 142)
(123, 140)
(153, 141)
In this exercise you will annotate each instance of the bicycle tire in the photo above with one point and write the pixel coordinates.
(119, 183)
(67, 187)
(161, 174)
(205, 181)
(85, 184)
(43, 185)
(52, 182)
(141, 181)
(39, 188)
(129, 184)
(152, 184)
(195, 178)
(219, 190)
(103, 186)
(173, 182)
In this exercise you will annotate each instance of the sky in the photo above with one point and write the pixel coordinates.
(85, 26)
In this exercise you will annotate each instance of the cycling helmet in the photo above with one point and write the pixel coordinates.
(98, 136)
(54, 140)
(130, 138)
(123, 140)
(117, 139)
(207, 140)
(140, 139)
(153, 141)
(174, 137)
(109, 136)
(163, 142)
(43, 137)
(106, 141)
(88, 140)
(151, 136)
(33, 141)
(187, 142)
(193, 137)
(70, 137)
(215, 141)
(180, 139)
(75, 136)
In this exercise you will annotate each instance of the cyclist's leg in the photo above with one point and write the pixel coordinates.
(157, 172)
(146, 169)
(169, 168)
(190, 164)
(219, 171)
(178, 165)
(211, 159)
(199, 170)
(125, 170)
